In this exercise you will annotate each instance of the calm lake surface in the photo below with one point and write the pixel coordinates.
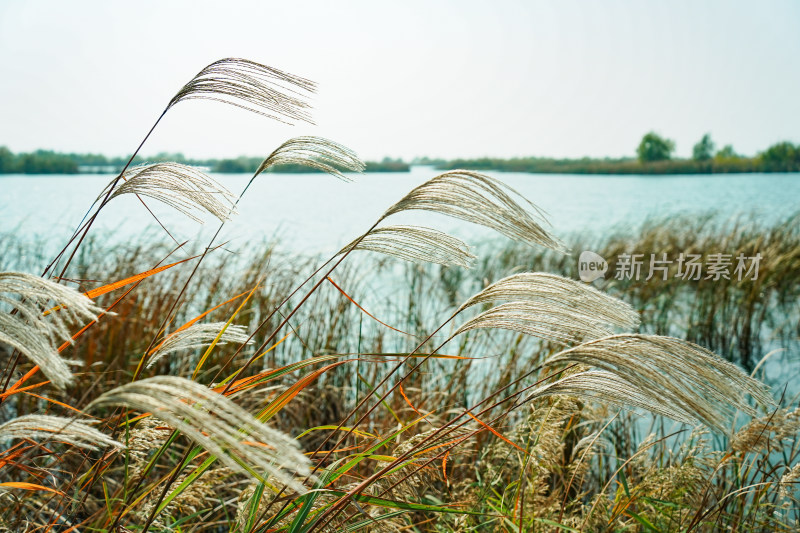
(316, 213)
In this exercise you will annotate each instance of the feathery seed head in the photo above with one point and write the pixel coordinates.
(36, 334)
(415, 243)
(216, 423)
(57, 428)
(182, 187)
(550, 307)
(480, 199)
(317, 153)
(253, 87)
(197, 336)
(685, 376)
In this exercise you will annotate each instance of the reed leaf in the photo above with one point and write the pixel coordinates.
(217, 424)
(197, 336)
(67, 430)
(253, 87)
(483, 200)
(182, 187)
(317, 153)
(682, 374)
(37, 334)
(415, 243)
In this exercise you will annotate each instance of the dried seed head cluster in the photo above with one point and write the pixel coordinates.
(776, 427)
(36, 333)
(688, 378)
(213, 421)
(415, 243)
(197, 336)
(483, 200)
(317, 153)
(182, 187)
(253, 87)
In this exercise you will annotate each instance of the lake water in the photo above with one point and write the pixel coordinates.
(316, 213)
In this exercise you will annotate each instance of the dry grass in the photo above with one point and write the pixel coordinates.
(471, 406)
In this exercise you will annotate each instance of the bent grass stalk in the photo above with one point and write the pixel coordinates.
(595, 362)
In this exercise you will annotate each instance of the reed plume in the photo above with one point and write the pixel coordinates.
(317, 153)
(185, 188)
(609, 388)
(549, 307)
(37, 334)
(216, 423)
(57, 428)
(197, 336)
(253, 87)
(567, 294)
(682, 374)
(483, 200)
(416, 244)
(537, 319)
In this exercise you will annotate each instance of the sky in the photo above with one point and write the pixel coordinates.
(406, 79)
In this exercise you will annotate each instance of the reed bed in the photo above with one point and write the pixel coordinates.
(154, 388)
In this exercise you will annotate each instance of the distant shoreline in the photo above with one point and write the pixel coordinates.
(42, 162)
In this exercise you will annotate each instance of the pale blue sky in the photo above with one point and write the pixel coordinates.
(446, 79)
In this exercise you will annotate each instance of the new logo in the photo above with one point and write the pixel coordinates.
(591, 266)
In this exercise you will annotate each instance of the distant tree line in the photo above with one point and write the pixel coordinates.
(654, 156)
(50, 162)
(38, 162)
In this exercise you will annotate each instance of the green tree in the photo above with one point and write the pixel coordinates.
(655, 148)
(781, 156)
(8, 163)
(726, 153)
(704, 149)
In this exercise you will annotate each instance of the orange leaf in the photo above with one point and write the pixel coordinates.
(28, 486)
(23, 389)
(287, 395)
(403, 394)
(58, 403)
(365, 311)
(497, 434)
(20, 381)
(99, 291)
(93, 322)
